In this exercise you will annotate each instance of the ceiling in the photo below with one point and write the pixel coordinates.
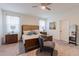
(26, 8)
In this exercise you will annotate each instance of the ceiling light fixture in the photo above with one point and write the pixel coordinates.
(43, 7)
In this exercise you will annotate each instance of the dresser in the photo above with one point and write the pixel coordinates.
(11, 38)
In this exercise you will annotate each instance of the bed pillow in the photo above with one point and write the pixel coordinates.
(26, 32)
(36, 31)
(29, 33)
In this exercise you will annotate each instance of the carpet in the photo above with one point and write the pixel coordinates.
(62, 48)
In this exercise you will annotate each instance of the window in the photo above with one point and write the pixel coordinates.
(12, 24)
(42, 25)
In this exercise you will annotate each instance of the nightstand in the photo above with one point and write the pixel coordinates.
(11, 38)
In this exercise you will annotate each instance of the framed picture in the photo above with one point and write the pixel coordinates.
(52, 25)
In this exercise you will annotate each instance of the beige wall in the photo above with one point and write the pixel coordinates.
(29, 20)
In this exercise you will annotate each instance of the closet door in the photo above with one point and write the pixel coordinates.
(64, 30)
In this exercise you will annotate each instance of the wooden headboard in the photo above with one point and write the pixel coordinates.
(29, 27)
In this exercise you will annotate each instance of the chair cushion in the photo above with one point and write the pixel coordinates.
(49, 44)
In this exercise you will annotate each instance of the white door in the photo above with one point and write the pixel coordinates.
(64, 30)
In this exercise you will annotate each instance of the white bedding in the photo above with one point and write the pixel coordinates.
(27, 37)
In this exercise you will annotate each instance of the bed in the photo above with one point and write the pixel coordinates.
(30, 35)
